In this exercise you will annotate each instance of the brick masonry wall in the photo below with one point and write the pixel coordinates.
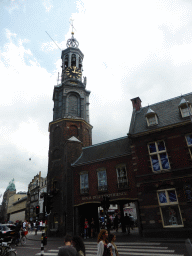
(113, 190)
(60, 177)
(148, 182)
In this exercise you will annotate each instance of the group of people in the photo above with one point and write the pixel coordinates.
(86, 228)
(74, 246)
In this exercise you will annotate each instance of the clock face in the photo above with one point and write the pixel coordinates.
(73, 72)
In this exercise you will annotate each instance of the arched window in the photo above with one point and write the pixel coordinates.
(73, 131)
(73, 60)
(56, 136)
(87, 138)
(73, 105)
(56, 154)
(80, 62)
(66, 61)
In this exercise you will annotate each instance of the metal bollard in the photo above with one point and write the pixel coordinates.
(42, 246)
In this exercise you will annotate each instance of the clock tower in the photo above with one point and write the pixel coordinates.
(70, 130)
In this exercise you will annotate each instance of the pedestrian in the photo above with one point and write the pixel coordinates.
(29, 226)
(41, 225)
(86, 226)
(24, 225)
(92, 228)
(112, 239)
(127, 223)
(102, 240)
(68, 249)
(79, 245)
(116, 222)
(131, 221)
(108, 224)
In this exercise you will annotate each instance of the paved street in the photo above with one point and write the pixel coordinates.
(137, 249)
(125, 247)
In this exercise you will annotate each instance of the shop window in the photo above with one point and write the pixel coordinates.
(169, 207)
(158, 156)
(102, 180)
(189, 143)
(122, 180)
(84, 183)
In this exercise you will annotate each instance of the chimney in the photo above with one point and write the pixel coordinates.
(136, 103)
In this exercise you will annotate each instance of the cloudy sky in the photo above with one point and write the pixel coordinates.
(131, 48)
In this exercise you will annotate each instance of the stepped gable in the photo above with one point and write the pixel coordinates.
(168, 113)
(106, 150)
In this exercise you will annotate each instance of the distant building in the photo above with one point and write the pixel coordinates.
(36, 187)
(10, 190)
(17, 207)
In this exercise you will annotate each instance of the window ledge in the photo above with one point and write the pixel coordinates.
(162, 171)
(122, 186)
(174, 226)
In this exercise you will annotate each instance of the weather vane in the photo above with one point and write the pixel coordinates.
(71, 23)
(72, 42)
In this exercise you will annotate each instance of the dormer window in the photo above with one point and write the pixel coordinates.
(151, 117)
(185, 108)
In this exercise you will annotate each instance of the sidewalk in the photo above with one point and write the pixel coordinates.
(120, 237)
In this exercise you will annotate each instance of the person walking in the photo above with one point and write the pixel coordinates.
(102, 240)
(127, 223)
(116, 222)
(78, 243)
(86, 226)
(68, 249)
(112, 239)
(108, 224)
(92, 228)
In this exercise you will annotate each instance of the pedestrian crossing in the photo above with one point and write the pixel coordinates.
(128, 248)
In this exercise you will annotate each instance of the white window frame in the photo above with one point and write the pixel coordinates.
(125, 181)
(189, 146)
(104, 187)
(158, 155)
(176, 203)
(152, 116)
(84, 189)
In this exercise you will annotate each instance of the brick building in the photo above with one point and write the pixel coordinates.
(161, 136)
(150, 167)
(103, 170)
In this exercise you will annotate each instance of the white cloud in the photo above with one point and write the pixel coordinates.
(131, 48)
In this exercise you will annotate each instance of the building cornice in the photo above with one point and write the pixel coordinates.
(69, 119)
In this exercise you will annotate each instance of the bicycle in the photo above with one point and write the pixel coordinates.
(21, 239)
(6, 250)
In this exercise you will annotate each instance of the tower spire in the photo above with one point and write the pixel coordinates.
(72, 42)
